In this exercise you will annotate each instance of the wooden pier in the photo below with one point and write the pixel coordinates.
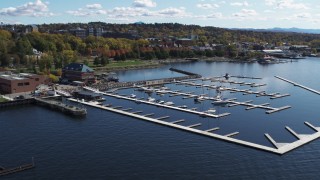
(24, 167)
(299, 85)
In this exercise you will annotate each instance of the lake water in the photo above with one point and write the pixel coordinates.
(105, 145)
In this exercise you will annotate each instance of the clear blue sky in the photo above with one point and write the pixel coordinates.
(219, 13)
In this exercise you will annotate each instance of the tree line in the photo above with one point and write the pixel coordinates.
(16, 49)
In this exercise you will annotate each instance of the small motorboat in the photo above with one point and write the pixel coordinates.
(169, 103)
(183, 106)
(227, 76)
(208, 112)
(199, 99)
(150, 99)
(219, 101)
(133, 96)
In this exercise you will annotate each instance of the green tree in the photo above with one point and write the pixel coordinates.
(96, 61)
(23, 47)
(45, 63)
(104, 60)
(86, 62)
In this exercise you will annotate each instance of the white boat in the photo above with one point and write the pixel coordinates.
(140, 89)
(164, 88)
(101, 99)
(161, 102)
(148, 89)
(183, 106)
(199, 98)
(169, 103)
(161, 92)
(210, 111)
(150, 99)
(133, 96)
(219, 101)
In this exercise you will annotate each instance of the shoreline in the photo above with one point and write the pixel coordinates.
(159, 63)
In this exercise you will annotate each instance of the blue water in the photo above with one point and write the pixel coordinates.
(105, 145)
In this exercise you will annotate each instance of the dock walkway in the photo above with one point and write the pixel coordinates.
(299, 85)
(234, 90)
(280, 148)
(7, 171)
(232, 101)
(167, 106)
(158, 104)
(262, 106)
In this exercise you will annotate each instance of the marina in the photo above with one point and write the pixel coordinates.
(235, 90)
(187, 95)
(250, 138)
(281, 148)
(166, 106)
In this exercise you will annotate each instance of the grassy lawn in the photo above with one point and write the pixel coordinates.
(123, 64)
(127, 63)
(2, 100)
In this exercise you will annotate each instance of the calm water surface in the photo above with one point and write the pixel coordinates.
(105, 145)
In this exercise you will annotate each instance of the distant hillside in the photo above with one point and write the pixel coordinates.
(277, 29)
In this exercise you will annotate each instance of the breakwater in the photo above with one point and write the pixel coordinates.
(107, 86)
(68, 109)
(184, 72)
(17, 102)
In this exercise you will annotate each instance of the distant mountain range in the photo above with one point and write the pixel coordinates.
(276, 29)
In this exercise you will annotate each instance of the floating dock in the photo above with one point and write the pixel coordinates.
(280, 148)
(232, 102)
(299, 85)
(69, 109)
(163, 105)
(234, 90)
(23, 167)
(261, 106)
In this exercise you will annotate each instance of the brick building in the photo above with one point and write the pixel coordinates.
(78, 72)
(23, 82)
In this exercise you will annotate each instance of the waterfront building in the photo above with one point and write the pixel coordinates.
(22, 82)
(78, 72)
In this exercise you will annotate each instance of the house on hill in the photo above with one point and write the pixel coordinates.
(78, 72)
(31, 28)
